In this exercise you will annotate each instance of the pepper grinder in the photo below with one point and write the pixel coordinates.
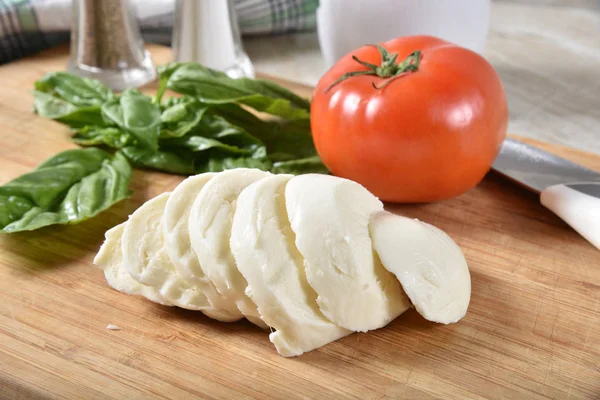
(106, 44)
(207, 32)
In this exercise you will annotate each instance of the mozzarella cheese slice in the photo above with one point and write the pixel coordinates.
(143, 250)
(146, 260)
(181, 254)
(428, 263)
(110, 259)
(262, 243)
(209, 228)
(330, 217)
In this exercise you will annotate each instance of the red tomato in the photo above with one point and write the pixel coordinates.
(429, 134)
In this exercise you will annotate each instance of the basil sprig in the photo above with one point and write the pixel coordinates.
(207, 128)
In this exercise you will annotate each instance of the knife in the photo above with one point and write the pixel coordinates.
(569, 190)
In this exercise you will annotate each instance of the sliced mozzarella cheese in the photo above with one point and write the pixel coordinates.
(430, 266)
(330, 217)
(262, 243)
(146, 260)
(143, 250)
(181, 254)
(110, 259)
(209, 227)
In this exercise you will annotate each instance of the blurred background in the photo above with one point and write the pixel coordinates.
(547, 52)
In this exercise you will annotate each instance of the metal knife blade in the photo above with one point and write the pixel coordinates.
(537, 169)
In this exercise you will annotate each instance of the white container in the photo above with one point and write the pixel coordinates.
(345, 25)
(206, 31)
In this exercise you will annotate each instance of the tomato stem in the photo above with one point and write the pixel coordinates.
(388, 67)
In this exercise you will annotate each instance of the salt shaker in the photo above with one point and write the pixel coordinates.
(106, 44)
(207, 32)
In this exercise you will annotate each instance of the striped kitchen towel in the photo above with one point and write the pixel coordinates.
(29, 26)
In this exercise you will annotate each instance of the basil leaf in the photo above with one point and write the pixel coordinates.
(80, 92)
(213, 159)
(181, 117)
(285, 140)
(172, 101)
(213, 145)
(181, 162)
(216, 132)
(214, 87)
(199, 144)
(238, 116)
(188, 163)
(216, 161)
(136, 114)
(309, 165)
(70, 187)
(216, 164)
(12, 208)
(55, 176)
(97, 136)
(289, 140)
(55, 108)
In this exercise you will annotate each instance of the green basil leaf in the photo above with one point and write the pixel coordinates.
(285, 140)
(214, 87)
(216, 132)
(136, 114)
(172, 101)
(213, 145)
(97, 136)
(195, 143)
(216, 161)
(12, 208)
(181, 117)
(70, 187)
(216, 164)
(187, 163)
(80, 92)
(289, 140)
(183, 162)
(309, 165)
(175, 162)
(50, 180)
(238, 116)
(60, 110)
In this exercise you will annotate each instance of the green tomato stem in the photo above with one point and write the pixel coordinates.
(388, 67)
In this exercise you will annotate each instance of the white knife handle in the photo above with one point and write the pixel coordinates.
(578, 205)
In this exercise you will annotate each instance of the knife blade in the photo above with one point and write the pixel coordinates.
(569, 190)
(538, 169)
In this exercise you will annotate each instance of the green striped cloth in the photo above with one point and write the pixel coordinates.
(29, 26)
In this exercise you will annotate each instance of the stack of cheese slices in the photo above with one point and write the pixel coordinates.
(313, 257)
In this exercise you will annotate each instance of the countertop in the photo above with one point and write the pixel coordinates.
(547, 53)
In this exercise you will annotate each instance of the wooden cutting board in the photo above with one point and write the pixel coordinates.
(532, 330)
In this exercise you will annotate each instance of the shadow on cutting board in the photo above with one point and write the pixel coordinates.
(57, 246)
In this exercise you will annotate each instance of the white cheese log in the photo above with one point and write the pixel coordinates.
(314, 256)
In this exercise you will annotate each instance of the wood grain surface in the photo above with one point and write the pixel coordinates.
(532, 330)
